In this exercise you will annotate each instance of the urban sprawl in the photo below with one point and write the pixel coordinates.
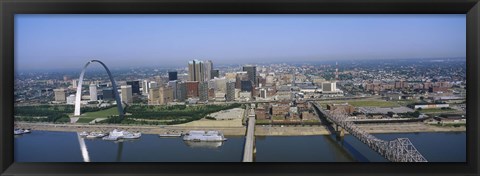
(432, 90)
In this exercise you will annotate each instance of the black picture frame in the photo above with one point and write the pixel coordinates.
(9, 8)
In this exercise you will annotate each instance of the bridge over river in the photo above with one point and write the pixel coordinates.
(398, 150)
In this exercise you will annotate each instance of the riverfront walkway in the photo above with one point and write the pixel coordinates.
(398, 150)
(249, 148)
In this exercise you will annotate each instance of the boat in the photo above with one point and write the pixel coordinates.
(167, 134)
(111, 138)
(83, 134)
(95, 135)
(211, 145)
(21, 131)
(18, 132)
(116, 135)
(210, 136)
(128, 135)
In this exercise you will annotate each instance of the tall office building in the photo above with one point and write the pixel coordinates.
(107, 94)
(240, 76)
(127, 94)
(173, 85)
(154, 96)
(203, 91)
(246, 86)
(192, 89)
(172, 76)
(166, 95)
(152, 84)
(145, 87)
(214, 73)
(220, 85)
(74, 83)
(93, 92)
(252, 73)
(135, 86)
(181, 91)
(208, 70)
(196, 71)
(60, 95)
(230, 95)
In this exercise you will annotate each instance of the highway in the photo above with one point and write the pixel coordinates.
(250, 138)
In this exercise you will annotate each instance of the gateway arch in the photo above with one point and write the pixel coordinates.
(79, 90)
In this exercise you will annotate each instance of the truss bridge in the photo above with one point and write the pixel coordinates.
(397, 150)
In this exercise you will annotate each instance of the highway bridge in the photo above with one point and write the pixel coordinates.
(249, 149)
(398, 150)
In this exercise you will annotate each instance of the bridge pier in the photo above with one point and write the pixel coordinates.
(340, 132)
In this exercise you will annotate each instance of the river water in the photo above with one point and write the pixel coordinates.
(48, 146)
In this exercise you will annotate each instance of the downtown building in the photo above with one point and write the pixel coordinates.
(196, 71)
(192, 89)
(93, 92)
(172, 75)
(252, 74)
(215, 74)
(203, 91)
(230, 94)
(60, 95)
(126, 95)
(135, 86)
(181, 91)
(208, 65)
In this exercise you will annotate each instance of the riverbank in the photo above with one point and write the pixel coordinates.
(240, 130)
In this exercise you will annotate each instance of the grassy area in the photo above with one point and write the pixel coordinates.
(405, 102)
(278, 118)
(168, 115)
(90, 116)
(103, 113)
(262, 121)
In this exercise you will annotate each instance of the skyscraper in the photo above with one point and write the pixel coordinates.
(145, 87)
(252, 73)
(230, 95)
(192, 89)
(203, 91)
(214, 73)
(127, 94)
(172, 76)
(246, 86)
(152, 84)
(240, 76)
(173, 85)
(93, 92)
(108, 94)
(135, 86)
(154, 96)
(208, 70)
(181, 91)
(196, 71)
(166, 95)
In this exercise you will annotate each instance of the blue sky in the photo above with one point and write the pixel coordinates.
(68, 41)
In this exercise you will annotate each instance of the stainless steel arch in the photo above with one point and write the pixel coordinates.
(79, 90)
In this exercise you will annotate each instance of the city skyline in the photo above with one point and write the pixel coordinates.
(173, 40)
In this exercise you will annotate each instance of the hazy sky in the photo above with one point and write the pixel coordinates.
(68, 41)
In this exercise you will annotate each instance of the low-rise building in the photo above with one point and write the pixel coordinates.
(346, 107)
